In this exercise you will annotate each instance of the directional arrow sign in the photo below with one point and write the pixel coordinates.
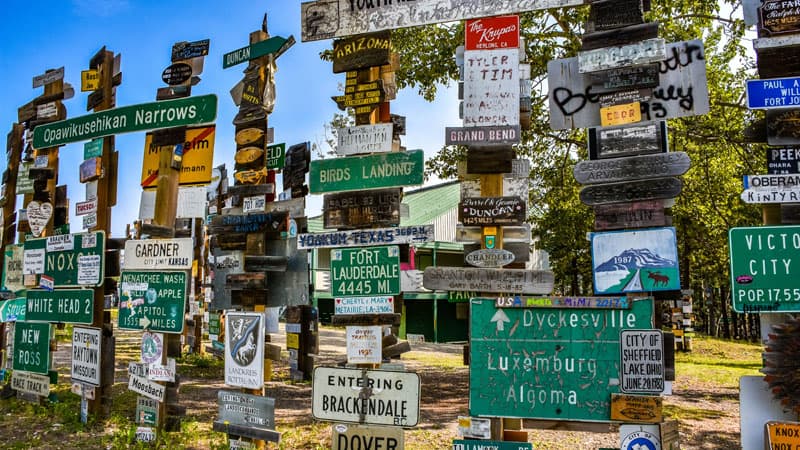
(501, 319)
(257, 50)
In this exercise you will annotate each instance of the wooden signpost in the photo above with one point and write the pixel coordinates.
(359, 209)
(654, 189)
(632, 168)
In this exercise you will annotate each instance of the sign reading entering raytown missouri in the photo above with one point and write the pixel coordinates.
(146, 116)
(86, 355)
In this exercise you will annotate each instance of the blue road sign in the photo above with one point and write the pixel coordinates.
(773, 93)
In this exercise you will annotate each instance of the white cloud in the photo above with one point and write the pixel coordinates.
(101, 8)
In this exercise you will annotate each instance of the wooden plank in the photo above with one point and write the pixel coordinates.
(375, 138)
(771, 43)
(239, 281)
(482, 161)
(636, 408)
(638, 53)
(776, 17)
(249, 190)
(611, 14)
(270, 263)
(790, 214)
(248, 432)
(362, 51)
(629, 215)
(494, 211)
(783, 127)
(359, 209)
(654, 189)
(619, 36)
(489, 280)
(777, 62)
(632, 168)
(630, 140)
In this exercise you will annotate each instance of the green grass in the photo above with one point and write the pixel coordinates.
(446, 362)
(718, 362)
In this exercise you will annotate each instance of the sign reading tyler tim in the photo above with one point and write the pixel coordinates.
(491, 87)
(492, 33)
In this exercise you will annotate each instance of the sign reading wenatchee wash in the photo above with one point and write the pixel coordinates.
(62, 305)
(491, 211)
(361, 52)
(632, 168)
(366, 172)
(365, 396)
(358, 209)
(159, 254)
(643, 52)
(146, 116)
(520, 281)
(152, 300)
(69, 259)
(375, 138)
(32, 347)
(86, 355)
(414, 234)
(198, 157)
(365, 271)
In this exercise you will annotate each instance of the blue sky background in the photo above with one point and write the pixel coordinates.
(41, 35)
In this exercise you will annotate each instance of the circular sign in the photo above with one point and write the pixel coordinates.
(176, 74)
(641, 440)
(152, 347)
(490, 257)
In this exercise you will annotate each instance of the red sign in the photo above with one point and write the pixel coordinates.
(492, 33)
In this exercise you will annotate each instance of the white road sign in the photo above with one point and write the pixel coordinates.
(159, 254)
(86, 355)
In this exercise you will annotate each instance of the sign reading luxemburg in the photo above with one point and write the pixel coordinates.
(354, 238)
(69, 259)
(32, 347)
(765, 269)
(365, 271)
(146, 116)
(63, 305)
(366, 172)
(568, 377)
(152, 300)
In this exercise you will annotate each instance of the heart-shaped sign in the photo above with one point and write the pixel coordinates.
(39, 215)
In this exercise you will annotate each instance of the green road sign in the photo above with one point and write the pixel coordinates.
(355, 173)
(213, 324)
(547, 363)
(32, 347)
(366, 271)
(63, 305)
(460, 444)
(146, 116)
(276, 156)
(257, 50)
(71, 260)
(765, 269)
(12, 310)
(152, 301)
(93, 149)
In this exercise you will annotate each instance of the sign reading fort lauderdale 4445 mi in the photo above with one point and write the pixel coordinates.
(545, 363)
(146, 116)
(365, 271)
(366, 172)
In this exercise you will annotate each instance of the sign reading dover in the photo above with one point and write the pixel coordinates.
(352, 437)
(159, 254)
(341, 395)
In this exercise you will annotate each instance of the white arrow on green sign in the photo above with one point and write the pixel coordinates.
(257, 50)
(146, 116)
(12, 310)
(366, 172)
(152, 301)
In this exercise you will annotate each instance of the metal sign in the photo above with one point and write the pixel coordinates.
(519, 281)
(682, 90)
(637, 408)
(159, 254)
(62, 306)
(491, 87)
(152, 301)
(415, 234)
(366, 172)
(147, 116)
(13, 310)
(632, 168)
(643, 52)
(327, 19)
(765, 269)
(476, 136)
(461, 444)
(48, 77)
(641, 361)
(32, 347)
(363, 305)
(489, 257)
(364, 344)
(782, 434)
(198, 157)
(177, 73)
(773, 93)
(71, 260)
(365, 271)
(276, 156)
(86, 355)
(146, 411)
(492, 33)
(783, 160)
(567, 378)
(620, 114)
(375, 138)
(188, 50)
(772, 182)
(30, 383)
(254, 51)
(244, 349)
(350, 437)
(248, 410)
(365, 396)
(486, 211)
(87, 207)
(357, 209)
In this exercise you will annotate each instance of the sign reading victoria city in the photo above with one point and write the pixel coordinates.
(681, 92)
(32, 347)
(415, 234)
(491, 211)
(365, 396)
(147, 116)
(152, 301)
(355, 173)
(365, 271)
(518, 281)
(71, 260)
(765, 269)
(547, 363)
(86, 355)
(159, 254)
(244, 349)
(642, 361)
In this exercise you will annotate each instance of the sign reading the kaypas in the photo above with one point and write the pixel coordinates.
(365, 271)
(159, 254)
(86, 355)
(492, 33)
(244, 349)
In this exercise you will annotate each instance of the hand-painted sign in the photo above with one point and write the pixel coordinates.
(518, 281)
(366, 172)
(489, 257)
(641, 361)
(781, 161)
(379, 207)
(492, 33)
(652, 189)
(86, 355)
(361, 52)
(32, 347)
(415, 234)
(461, 444)
(776, 195)
(149, 389)
(147, 116)
(636, 408)
(681, 92)
(363, 305)
(350, 437)
(568, 377)
(152, 301)
(778, 17)
(376, 138)
(247, 410)
(635, 261)
(365, 271)
(244, 349)
(364, 344)
(30, 383)
(789, 182)
(491, 87)
(198, 156)
(632, 168)
(492, 211)
(187, 50)
(363, 96)
(629, 215)
(773, 93)
(639, 53)
(326, 19)
(64, 258)
(340, 395)
(631, 140)
(13, 265)
(482, 136)
(563, 302)
(159, 254)
(63, 305)
(764, 270)
(48, 77)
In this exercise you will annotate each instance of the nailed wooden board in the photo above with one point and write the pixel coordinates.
(777, 62)
(611, 14)
(777, 17)
(348, 210)
(271, 222)
(489, 280)
(783, 127)
(636, 408)
(632, 168)
(481, 161)
(619, 36)
(654, 189)
(606, 58)
(362, 51)
(629, 215)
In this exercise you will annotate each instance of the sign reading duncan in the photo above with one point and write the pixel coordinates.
(152, 300)
(632, 168)
(642, 361)
(159, 254)
(366, 172)
(244, 349)
(364, 139)
(365, 271)
(365, 396)
(519, 281)
(86, 355)
(491, 211)
(355, 238)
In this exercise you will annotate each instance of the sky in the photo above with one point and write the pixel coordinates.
(42, 35)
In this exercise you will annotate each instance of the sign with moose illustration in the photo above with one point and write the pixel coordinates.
(635, 261)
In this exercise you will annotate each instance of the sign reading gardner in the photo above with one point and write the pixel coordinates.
(159, 254)
(32, 347)
(492, 211)
(355, 173)
(765, 269)
(86, 355)
(365, 271)
(152, 300)
(244, 349)
(64, 258)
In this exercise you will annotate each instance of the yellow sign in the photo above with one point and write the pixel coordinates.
(293, 340)
(783, 434)
(90, 80)
(198, 157)
(636, 408)
(621, 114)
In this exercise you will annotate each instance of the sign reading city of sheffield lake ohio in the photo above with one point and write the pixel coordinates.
(244, 349)
(63, 305)
(365, 271)
(364, 305)
(518, 281)
(681, 92)
(355, 173)
(546, 363)
(152, 300)
(375, 138)
(246, 410)
(771, 189)
(349, 437)
(146, 116)
(773, 93)
(365, 396)
(32, 347)
(635, 261)
(71, 260)
(492, 211)
(491, 87)
(461, 444)
(415, 234)
(642, 361)
(327, 19)
(159, 254)
(198, 157)
(765, 269)
(86, 355)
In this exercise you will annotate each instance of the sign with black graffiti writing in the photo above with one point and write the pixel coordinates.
(682, 90)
